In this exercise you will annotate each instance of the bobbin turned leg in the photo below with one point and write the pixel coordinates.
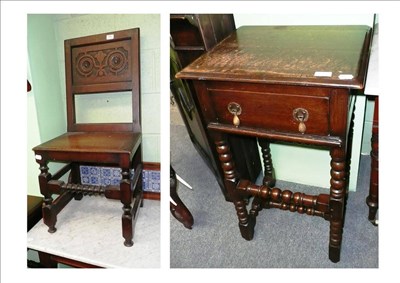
(337, 201)
(48, 213)
(269, 172)
(126, 199)
(246, 223)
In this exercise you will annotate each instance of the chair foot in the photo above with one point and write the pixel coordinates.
(128, 243)
(78, 196)
(52, 230)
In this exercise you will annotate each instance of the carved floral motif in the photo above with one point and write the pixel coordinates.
(101, 63)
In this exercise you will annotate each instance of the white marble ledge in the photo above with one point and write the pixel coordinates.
(90, 231)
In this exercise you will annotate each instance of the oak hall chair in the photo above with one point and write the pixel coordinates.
(103, 63)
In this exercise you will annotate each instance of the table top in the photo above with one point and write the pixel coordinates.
(90, 231)
(299, 55)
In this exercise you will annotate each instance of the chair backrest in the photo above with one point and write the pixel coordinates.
(103, 63)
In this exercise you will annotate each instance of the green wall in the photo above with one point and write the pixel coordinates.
(45, 117)
(44, 67)
(367, 134)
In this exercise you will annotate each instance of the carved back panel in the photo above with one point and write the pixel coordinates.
(103, 63)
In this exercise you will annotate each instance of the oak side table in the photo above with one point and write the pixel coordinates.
(292, 84)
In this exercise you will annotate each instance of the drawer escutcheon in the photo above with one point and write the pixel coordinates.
(301, 116)
(235, 109)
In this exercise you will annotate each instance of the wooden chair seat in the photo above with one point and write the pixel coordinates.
(97, 147)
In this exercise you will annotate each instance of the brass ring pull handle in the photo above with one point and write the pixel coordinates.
(235, 109)
(301, 116)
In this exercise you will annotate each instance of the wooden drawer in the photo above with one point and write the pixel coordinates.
(272, 111)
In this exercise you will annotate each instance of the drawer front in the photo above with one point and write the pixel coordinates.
(272, 111)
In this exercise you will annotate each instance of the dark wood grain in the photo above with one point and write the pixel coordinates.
(287, 55)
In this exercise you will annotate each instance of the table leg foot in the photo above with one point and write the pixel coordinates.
(182, 214)
(373, 209)
(374, 222)
(334, 254)
(247, 230)
(179, 209)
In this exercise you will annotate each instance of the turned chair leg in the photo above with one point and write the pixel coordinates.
(126, 199)
(48, 213)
